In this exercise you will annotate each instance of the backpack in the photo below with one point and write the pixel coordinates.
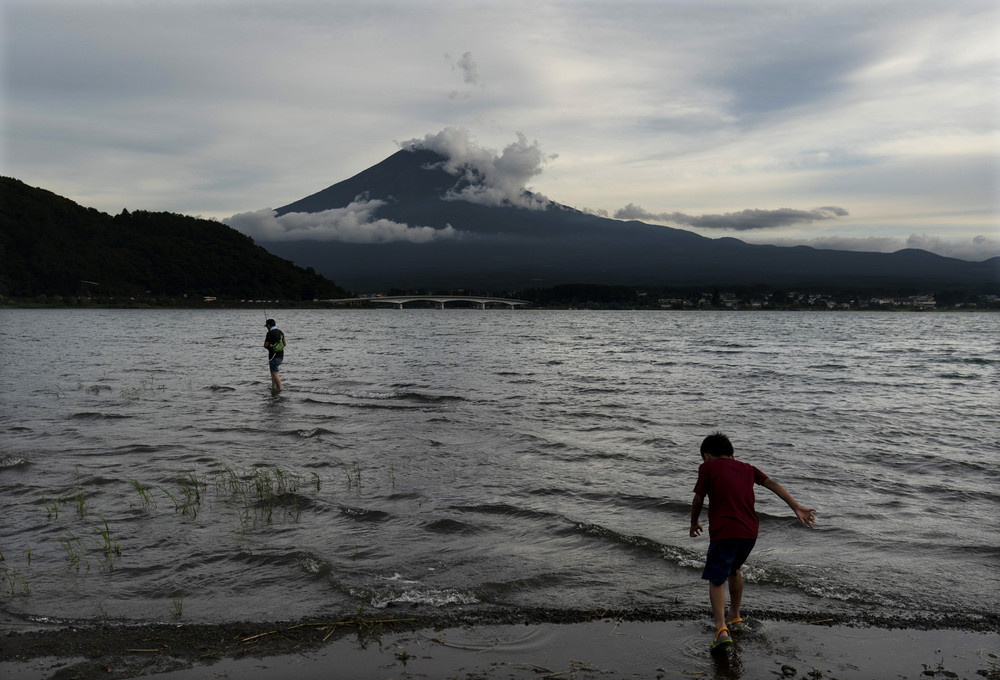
(280, 345)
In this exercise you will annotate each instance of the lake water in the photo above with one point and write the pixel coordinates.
(464, 459)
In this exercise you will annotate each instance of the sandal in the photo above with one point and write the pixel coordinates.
(724, 642)
(736, 625)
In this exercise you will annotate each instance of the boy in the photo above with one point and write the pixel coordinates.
(732, 525)
(274, 341)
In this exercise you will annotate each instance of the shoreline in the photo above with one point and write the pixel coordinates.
(305, 305)
(541, 644)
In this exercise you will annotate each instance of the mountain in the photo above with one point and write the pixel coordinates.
(505, 247)
(51, 246)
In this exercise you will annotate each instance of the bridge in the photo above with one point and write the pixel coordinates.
(439, 300)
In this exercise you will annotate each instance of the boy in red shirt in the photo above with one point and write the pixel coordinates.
(732, 525)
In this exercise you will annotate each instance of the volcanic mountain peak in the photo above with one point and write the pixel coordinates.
(432, 217)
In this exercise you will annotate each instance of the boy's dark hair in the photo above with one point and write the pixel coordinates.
(717, 444)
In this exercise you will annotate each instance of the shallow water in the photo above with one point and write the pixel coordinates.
(465, 458)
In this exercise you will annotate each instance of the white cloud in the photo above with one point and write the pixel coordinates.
(353, 224)
(492, 179)
(209, 108)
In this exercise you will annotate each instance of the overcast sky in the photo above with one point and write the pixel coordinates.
(851, 124)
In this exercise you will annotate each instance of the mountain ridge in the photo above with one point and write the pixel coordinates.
(506, 247)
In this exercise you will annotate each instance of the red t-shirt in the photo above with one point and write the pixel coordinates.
(728, 483)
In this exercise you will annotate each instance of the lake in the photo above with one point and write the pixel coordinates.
(466, 459)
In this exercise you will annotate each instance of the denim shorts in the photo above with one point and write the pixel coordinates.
(274, 363)
(725, 557)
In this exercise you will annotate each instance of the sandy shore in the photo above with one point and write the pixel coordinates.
(410, 648)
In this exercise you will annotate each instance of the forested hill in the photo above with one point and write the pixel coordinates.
(51, 246)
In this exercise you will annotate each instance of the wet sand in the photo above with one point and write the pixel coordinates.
(414, 648)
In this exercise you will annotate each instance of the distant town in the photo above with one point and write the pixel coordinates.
(581, 296)
(823, 301)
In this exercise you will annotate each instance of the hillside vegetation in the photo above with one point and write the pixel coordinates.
(50, 246)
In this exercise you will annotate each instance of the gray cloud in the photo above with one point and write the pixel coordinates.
(467, 65)
(885, 107)
(493, 179)
(744, 220)
(978, 249)
(353, 224)
(470, 73)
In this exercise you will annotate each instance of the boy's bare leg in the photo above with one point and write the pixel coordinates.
(275, 381)
(735, 595)
(717, 596)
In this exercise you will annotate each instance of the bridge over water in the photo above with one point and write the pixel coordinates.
(439, 300)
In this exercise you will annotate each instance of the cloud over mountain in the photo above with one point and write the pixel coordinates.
(744, 220)
(485, 177)
(353, 224)
(467, 65)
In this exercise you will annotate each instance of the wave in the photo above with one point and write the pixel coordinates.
(7, 462)
(450, 526)
(363, 514)
(507, 511)
(95, 415)
(395, 590)
(309, 434)
(382, 395)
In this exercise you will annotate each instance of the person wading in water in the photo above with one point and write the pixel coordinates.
(275, 344)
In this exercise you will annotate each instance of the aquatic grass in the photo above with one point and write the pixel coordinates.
(15, 583)
(190, 489)
(51, 507)
(111, 548)
(146, 385)
(403, 656)
(80, 501)
(178, 607)
(993, 672)
(261, 490)
(177, 505)
(74, 554)
(353, 473)
(148, 502)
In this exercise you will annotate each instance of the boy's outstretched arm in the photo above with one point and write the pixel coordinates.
(806, 515)
(696, 506)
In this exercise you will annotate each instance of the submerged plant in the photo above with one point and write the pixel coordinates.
(110, 549)
(52, 508)
(15, 582)
(148, 502)
(177, 506)
(80, 502)
(72, 552)
(262, 490)
(353, 474)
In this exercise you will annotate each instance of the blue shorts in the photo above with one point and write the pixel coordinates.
(274, 363)
(725, 557)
